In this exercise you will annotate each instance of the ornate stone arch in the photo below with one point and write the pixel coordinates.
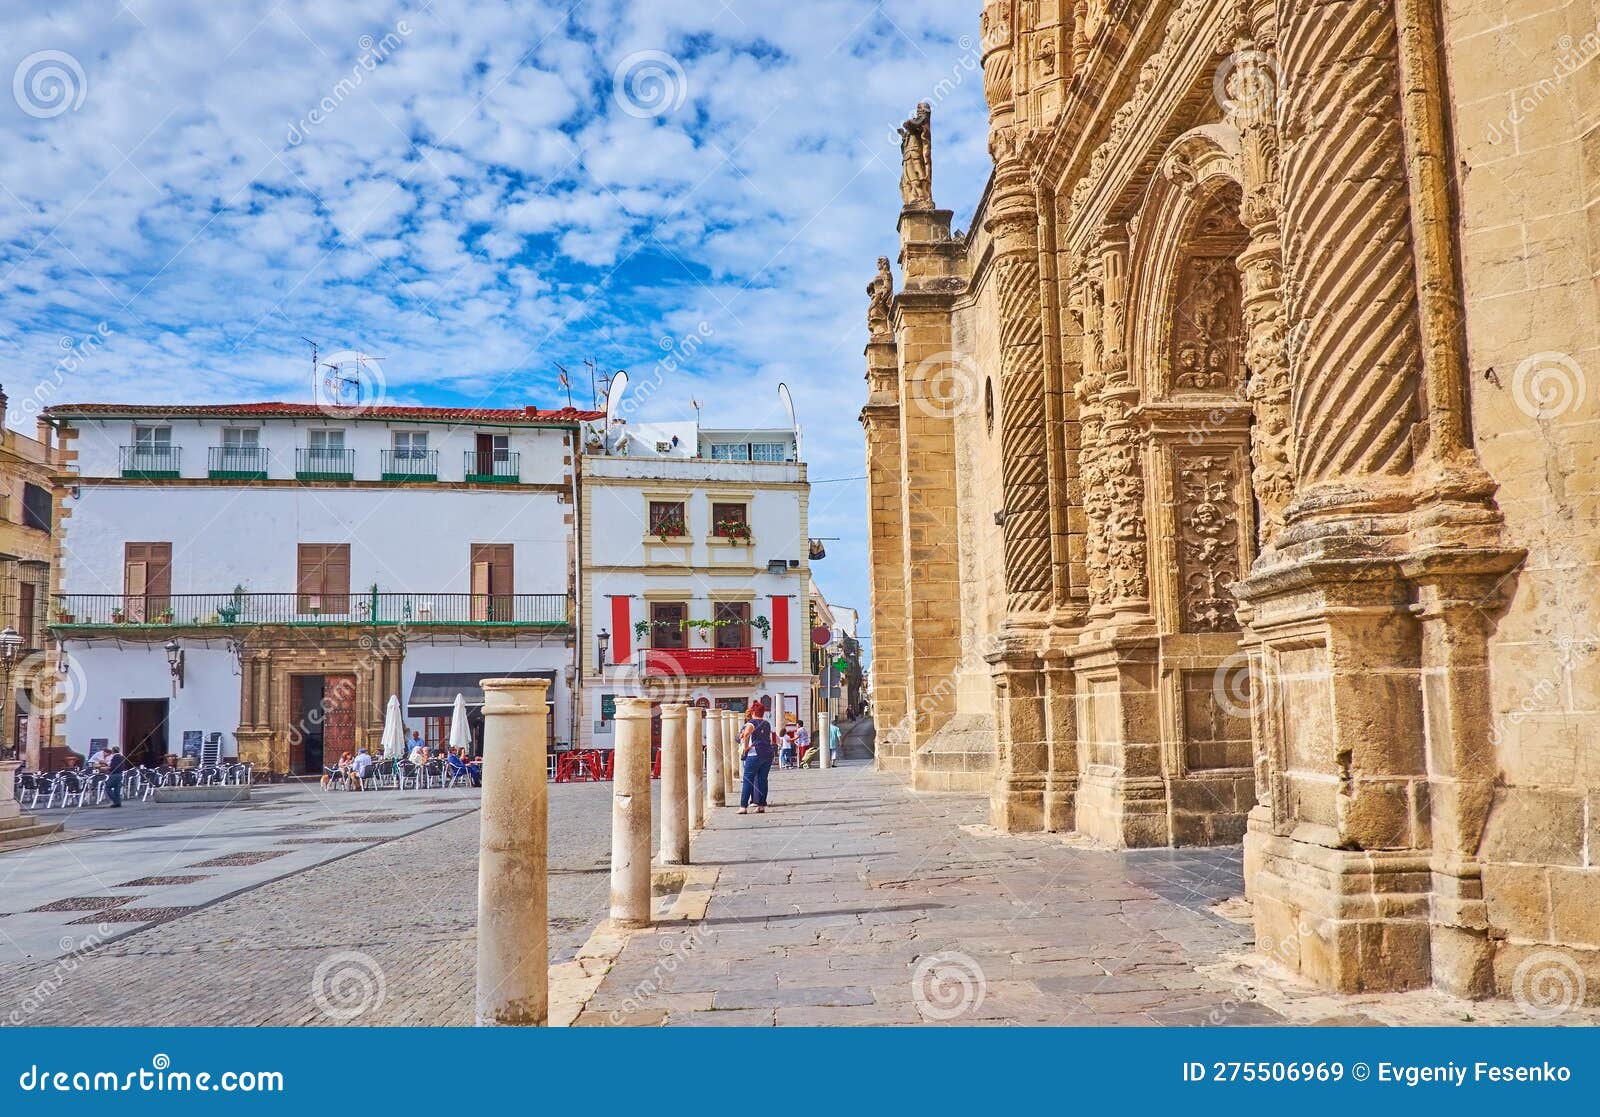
(1189, 232)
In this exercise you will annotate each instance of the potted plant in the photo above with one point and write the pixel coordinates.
(63, 617)
(118, 616)
(641, 629)
(670, 526)
(228, 612)
(734, 531)
(165, 616)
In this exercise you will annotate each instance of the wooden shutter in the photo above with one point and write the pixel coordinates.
(737, 634)
(665, 629)
(493, 580)
(146, 580)
(25, 615)
(322, 581)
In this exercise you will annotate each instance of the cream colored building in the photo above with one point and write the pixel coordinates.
(1252, 427)
(29, 559)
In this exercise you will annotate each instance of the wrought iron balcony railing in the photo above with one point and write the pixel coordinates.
(199, 610)
(700, 662)
(317, 463)
(496, 465)
(247, 462)
(410, 465)
(151, 460)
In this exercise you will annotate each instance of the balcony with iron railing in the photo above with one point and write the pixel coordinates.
(318, 463)
(151, 461)
(211, 610)
(410, 465)
(237, 463)
(693, 663)
(494, 466)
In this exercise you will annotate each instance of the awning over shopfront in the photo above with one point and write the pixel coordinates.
(433, 695)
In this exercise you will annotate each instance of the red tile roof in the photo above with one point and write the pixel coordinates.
(530, 415)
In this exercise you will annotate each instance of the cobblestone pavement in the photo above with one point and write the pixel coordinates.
(856, 902)
(383, 936)
(148, 862)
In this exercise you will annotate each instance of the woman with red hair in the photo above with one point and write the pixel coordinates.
(756, 752)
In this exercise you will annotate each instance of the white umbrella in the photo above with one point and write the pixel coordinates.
(394, 733)
(460, 738)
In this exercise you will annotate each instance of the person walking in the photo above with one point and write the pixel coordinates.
(835, 741)
(116, 765)
(756, 752)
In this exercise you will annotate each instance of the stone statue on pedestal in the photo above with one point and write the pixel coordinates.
(880, 291)
(916, 159)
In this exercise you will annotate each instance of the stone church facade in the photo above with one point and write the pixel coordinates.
(1233, 476)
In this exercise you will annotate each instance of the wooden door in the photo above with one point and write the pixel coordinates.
(339, 724)
(666, 624)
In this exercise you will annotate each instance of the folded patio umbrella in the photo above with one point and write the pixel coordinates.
(394, 732)
(460, 736)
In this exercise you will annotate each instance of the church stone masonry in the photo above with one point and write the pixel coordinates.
(1233, 475)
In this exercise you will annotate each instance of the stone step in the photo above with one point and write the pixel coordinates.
(7, 825)
(11, 837)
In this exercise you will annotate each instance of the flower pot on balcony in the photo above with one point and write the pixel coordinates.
(118, 616)
(63, 617)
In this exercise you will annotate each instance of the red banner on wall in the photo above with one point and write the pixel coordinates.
(780, 628)
(621, 631)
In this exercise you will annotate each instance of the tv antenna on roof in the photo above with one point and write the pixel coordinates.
(347, 370)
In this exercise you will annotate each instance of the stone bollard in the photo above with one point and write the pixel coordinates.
(824, 728)
(630, 816)
(716, 782)
(694, 739)
(730, 738)
(513, 925)
(674, 785)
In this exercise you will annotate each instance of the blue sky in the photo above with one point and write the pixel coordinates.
(476, 191)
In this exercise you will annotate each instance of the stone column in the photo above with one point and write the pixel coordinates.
(716, 762)
(1061, 744)
(630, 816)
(1121, 795)
(824, 726)
(513, 925)
(935, 383)
(674, 787)
(880, 419)
(730, 743)
(695, 762)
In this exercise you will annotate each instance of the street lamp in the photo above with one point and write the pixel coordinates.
(10, 645)
(602, 641)
(175, 663)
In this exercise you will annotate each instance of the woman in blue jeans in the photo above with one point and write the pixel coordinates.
(757, 748)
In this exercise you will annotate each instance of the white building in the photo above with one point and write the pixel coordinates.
(272, 573)
(694, 554)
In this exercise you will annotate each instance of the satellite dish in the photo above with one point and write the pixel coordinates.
(619, 384)
(794, 424)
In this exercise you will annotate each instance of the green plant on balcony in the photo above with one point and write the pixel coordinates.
(165, 616)
(63, 617)
(118, 616)
(762, 625)
(229, 611)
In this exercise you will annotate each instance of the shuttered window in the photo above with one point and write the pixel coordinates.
(734, 632)
(492, 581)
(146, 580)
(323, 580)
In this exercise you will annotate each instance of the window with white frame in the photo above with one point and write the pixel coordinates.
(766, 451)
(410, 445)
(154, 439)
(241, 438)
(730, 452)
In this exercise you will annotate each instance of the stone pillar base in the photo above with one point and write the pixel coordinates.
(1060, 808)
(1017, 805)
(1123, 812)
(1351, 921)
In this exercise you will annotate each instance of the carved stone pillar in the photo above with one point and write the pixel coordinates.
(1061, 741)
(1121, 795)
(930, 378)
(1252, 100)
(880, 419)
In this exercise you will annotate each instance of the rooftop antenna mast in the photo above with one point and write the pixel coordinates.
(566, 382)
(313, 345)
(338, 381)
